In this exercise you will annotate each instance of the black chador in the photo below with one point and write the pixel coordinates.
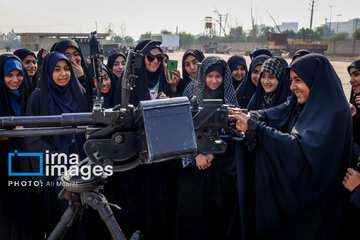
(112, 58)
(19, 205)
(86, 80)
(234, 62)
(146, 81)
(206, 198)
(186, 77)
(146, 194)
(108, 96)
(301, 153)
(263, 100)
(34, 80)
(356, 120)
(53, 99)
(247, 88)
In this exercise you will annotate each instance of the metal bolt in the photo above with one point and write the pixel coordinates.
(119, 139)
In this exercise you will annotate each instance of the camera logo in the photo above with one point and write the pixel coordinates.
(16, 156)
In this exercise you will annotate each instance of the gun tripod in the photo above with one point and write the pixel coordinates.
(81, 192)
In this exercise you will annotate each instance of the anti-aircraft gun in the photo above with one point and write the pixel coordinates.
(124, 137)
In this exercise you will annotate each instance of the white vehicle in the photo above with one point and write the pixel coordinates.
(169, 43)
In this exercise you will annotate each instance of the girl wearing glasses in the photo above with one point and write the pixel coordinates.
(146, 194)
(151, 81)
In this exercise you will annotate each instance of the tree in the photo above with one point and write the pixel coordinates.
(222, 21)
(252, 33)
(186, 40)
(109, 30)
(267, 29)
(128, 39)
(340, 36)
(164, 31)
(236, 34)
(264, 30)
(117, 39)
(146, 35)
(320, 31)
(308, 34)
(356, 34)
(290, 33)
(10, 39)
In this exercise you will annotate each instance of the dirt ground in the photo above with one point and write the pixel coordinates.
(340, 65)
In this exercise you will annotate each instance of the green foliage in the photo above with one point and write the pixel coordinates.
(164, 31)
(356, 34)
(340, 36)
(186, 40)
(146, 35)
(236, 34)
(267, 29)
(126, 39)
(252, 34)
(307, 34)
(117, 39)
(9, 39)
(290, 33)
(320, 31)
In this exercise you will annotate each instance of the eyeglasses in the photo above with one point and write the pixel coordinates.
(151, 58)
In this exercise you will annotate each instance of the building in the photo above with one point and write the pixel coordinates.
(348, 26)
(35, 41)
(260, 27)
(292, 26)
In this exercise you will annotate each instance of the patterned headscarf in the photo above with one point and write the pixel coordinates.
(273, 66)
(229, 92)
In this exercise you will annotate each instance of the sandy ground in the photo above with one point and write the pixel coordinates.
(340, 65)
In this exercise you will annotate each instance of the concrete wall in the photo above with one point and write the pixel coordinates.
(339, 47)
(343, 47)
(239, 46)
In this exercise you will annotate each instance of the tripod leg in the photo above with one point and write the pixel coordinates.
(107, 216)
(63, 225)
(98, 202)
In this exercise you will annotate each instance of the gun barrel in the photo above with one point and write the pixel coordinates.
(65, 119)
(34, 132)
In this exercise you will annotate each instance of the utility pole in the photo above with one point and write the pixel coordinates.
(356, 23)
(325, 28)
(253, 22)
(337, 28)
(220, 15)
(312, 12)
(331, 6)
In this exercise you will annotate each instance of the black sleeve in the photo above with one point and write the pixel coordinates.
(355, 197)
(35, 144)
(85, 81)
(117, 93)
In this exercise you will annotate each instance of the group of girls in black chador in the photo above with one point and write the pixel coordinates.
(288, 179)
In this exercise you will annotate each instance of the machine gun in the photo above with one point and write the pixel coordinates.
(125, 137)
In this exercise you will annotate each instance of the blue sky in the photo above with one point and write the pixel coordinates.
(136, 17)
